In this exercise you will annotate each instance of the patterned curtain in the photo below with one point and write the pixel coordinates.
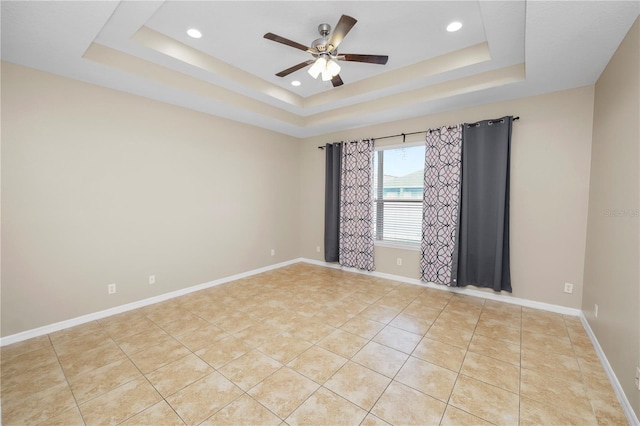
(356, 205)
(440, 208)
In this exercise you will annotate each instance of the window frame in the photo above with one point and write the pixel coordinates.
(378, 204)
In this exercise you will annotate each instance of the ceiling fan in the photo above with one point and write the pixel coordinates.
(325, 52)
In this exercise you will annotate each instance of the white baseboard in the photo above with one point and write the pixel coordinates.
(615, 384)
(40, 331)
(460, 290)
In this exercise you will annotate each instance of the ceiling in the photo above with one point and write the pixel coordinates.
(505, 50)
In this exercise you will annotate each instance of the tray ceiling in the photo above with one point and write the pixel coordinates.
(505, 50)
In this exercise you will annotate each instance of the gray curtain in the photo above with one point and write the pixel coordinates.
(438, 260)
(356, 205)
(333, 153)
(483, 251)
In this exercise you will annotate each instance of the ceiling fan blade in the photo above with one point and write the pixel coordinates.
(343, 26)
(295, 68)
(278, 39)
(336, 81)
(369, 59)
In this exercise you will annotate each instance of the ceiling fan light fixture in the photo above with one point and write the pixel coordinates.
(318, 66)
(333, 67)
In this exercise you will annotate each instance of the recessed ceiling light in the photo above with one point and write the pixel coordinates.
(295, 83)
(454, 26)
(192, 32)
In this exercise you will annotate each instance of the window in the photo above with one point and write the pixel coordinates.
(397, 194)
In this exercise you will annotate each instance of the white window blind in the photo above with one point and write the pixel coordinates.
(397, 194)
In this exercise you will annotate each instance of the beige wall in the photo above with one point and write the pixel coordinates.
(549, 191)
(612, 256)
(102, 187)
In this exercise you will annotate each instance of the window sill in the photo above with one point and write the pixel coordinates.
(397, 245)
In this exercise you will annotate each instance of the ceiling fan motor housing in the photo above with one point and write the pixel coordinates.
(320, 44)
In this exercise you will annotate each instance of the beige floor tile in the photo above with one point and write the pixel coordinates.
(101, 380)
(236, 322)
(26, 361)
(381, 359)
(395, 338)
(456, 417)
(159, 414)
(202, 337)
(284, 348)
(257, 334)
(120, 403)
(186, 324)
(450, 335)
(372, 420)
(379, 314)
(362, 327)
(77, 363)
(250, 369)
(499, 331)
(127, 324)
(496, 406)
(456, 319)
(510, 319)
(495, 348)
(9, 352)
(326, 408)
(561, 391)
(223, 351)
(309, 330)
(427, 378)
(152, 358)
(243, 411)
(547, 343)
(283, 320)
(608, 412)
(201, 399)
(553, 326)
(283, 391)
(19, 384)
(561, 378)
(342, 343)
(165, 312)
(317, 363)
(38, 407)
(69, 417)
(537, 413)
(138, 342)
(358, 384)
(551, 363)
(412, 324)
(440, 354)
(178, 374)
(492, 371)
(400, 404)
(82, 330)
(82, 343)
(332, 316)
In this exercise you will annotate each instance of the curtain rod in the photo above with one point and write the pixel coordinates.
(404, 135)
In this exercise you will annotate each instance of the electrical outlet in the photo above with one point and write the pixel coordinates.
(595, 310)
(399, 261)
(111, 288)
(273, 252)
(152, 279)
(568, 288)
(317, 249)
(638, 377)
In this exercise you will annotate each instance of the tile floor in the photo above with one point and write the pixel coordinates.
(311, 345)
